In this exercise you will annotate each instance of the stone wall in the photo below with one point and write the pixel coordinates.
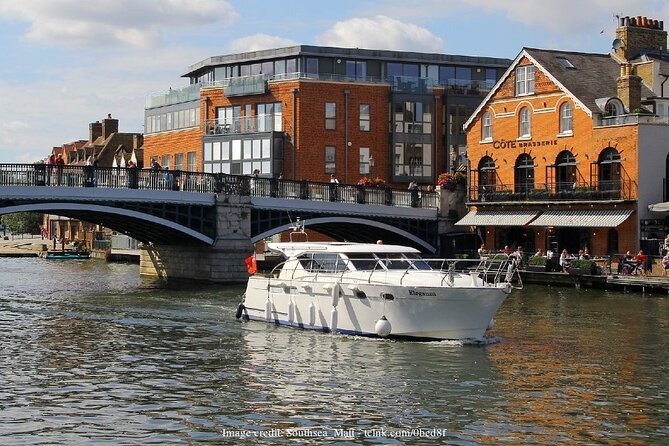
(223, 262)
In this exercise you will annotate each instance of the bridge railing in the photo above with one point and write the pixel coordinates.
(177, 180)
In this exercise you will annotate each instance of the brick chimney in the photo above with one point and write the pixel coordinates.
(94, 131)
(629, 88)
(635, 34)
(109, 126)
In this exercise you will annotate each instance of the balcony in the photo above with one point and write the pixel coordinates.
(173, 96)
(634, 119)
(550, 192)
(243, 125)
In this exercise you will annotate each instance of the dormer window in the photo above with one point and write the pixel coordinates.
(613, 108)
(525, 80)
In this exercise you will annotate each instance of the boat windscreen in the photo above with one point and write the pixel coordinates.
(363, 261)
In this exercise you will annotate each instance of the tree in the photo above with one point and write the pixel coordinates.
(22, 222)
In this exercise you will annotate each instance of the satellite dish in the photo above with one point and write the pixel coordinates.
(617, 43)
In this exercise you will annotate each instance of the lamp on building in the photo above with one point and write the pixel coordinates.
(371, 166)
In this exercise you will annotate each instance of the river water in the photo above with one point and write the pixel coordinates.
(92, 354)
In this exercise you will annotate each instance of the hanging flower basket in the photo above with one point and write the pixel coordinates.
(451, 181)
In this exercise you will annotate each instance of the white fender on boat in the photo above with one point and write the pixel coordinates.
(312, 314)
(335, 294)
(291, 311)
(382, 327)
(268, 310)
(491, 324)
(474, 277)
(333, 319)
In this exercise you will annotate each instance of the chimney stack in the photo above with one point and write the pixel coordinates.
(94, 131)
(629, 88)
(636, 34)
(109, 126)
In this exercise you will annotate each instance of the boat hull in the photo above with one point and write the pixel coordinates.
(414, 312)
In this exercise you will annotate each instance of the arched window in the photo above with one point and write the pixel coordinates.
(565, 165)
(487, 174)
(486, 128)
(566, 118)
(524, 127)
(613, 108)
(609, 172)
(524, 174)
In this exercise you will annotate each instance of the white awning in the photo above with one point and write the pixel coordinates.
(659, 207)
(605, 218)
(497, 218)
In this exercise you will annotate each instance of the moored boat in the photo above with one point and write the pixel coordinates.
(66, 254)
(379, 290)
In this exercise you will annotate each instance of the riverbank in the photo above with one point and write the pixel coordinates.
(16, 246)
(651, 284)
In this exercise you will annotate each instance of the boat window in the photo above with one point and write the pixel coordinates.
(322, 262)
(363, 261)
(418, 262)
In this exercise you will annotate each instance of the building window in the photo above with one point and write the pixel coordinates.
(165, 162)
(364, 160)
(487, 175)
(566, 119)
(330, 159)
(524, 174)
(610, 171)
(412, 160)
(269, 117)
(524, 129)
(179, 161)
(191, 160)
(413, 117)
(524, 80)
(228, 119)
(365, 124)
(486, 128)
(356, 69)
(565, 164)
(613, 108)
(330, 116)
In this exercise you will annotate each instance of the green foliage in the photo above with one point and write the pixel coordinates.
(22, 222)
(537, 261)
(582, 264)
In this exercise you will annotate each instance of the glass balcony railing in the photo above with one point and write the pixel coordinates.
(568, 191)
(254, 124)
(408, 84)
(173, 96)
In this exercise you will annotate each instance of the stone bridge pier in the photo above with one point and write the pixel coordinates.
(223, 262)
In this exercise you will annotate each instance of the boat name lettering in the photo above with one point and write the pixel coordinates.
(422, 293)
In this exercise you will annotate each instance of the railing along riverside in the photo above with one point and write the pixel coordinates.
(178, 180)
(561, 191)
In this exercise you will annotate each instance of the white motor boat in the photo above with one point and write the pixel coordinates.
(379, 290)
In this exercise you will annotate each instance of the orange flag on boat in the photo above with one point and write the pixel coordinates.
(251, 266)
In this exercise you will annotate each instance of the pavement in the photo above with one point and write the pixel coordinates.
(14, 244)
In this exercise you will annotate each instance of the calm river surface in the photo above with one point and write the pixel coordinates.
(92, 354)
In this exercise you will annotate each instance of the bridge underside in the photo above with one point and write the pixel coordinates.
(421, 234)
(156, 223)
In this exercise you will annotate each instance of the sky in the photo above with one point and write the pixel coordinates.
(67, 63)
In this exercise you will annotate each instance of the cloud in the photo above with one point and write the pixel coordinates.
(381, 32)
(109, 22)
(258, 42)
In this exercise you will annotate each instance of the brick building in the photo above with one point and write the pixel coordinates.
(306, 112)
(569, 149)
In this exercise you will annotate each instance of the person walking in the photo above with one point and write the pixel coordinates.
(60, 164)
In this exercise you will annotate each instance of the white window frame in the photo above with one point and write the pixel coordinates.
(525, 80)
(566, 119)
(486, 127)
(524, 123)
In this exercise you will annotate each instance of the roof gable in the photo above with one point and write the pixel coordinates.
(584, 77)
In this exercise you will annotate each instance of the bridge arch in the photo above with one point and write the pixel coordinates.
(325, 225)
(141, 226)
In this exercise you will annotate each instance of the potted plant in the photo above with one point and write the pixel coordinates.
(451, 181)
(537, 263)
(581, 267)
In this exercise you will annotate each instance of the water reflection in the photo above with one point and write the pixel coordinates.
(93, 354)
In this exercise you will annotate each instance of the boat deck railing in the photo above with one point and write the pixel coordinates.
(492, 271)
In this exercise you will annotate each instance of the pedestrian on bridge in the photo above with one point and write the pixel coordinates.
(60, 163)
